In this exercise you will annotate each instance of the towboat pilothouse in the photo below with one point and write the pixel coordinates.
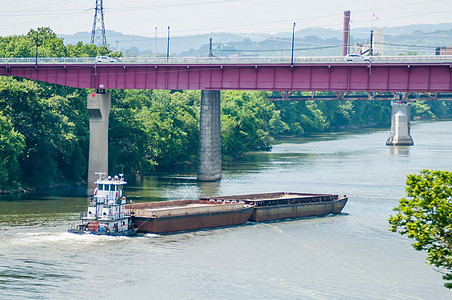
(106, 214)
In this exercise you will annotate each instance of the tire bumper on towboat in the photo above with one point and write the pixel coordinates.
(129, 232)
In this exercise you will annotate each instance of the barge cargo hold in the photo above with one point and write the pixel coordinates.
(277, 206)
(185, 215)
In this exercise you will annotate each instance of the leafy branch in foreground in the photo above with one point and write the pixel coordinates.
(426, 216)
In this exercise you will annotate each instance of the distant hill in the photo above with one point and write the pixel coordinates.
(422, 39)
(141, 45)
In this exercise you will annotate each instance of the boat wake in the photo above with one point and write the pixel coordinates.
(53, 239)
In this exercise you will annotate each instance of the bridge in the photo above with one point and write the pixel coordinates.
(400, 75)
(380, 74)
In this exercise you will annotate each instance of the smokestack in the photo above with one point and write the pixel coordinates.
(346, 33)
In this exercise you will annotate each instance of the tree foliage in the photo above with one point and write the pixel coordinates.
(249, 122)
(46, 43)
(426, 217)
(314, 116)
(44, 127)
(11, 146)
(49, 129)
(149, 128)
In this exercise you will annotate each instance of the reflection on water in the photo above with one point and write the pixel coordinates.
(208, 189)
(348, 256)
(399, 150)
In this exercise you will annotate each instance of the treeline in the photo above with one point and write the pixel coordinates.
(44, 128)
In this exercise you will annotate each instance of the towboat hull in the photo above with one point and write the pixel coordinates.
(102, 227)
(129, 232)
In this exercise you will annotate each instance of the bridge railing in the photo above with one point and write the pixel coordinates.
(46, 60)
(230, 60)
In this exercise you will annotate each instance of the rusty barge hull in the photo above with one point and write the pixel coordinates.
(210, 212)
(191, 222)
(187, 215)
(270, 213)
(278, 206)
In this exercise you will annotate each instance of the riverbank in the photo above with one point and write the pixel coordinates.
(32, 189)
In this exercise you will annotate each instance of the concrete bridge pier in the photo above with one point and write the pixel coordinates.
(400, 125)
(99, 105)
(209, 148)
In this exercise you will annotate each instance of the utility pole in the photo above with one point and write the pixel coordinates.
(293, 42)
(98, 36)
(37, 44)
(155, 41)
(167, 47)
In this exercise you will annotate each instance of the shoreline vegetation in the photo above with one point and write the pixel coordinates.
(44, 128)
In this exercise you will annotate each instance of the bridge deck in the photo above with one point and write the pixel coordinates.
(416, 59)
(381, 74)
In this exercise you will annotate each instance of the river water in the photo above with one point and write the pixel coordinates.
(347, 256)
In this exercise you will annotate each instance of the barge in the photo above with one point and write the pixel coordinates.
(109, 214)
(283, 205)
(186, 215)
(106, 213)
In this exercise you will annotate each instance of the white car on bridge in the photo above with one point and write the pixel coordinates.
(105, 59)
(357, 58)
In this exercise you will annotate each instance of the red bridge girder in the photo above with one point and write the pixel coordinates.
(340, 77)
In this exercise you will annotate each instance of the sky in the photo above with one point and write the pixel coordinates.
(188, 17)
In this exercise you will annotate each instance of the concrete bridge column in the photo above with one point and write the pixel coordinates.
(99, 110)
(209, 149)
(400, 125)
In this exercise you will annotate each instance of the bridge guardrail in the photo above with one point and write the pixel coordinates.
(227, 60)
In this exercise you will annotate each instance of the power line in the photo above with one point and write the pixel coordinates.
(169, 5)
(406, 46)
(275, 50)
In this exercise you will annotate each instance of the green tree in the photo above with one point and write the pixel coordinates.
(49, 127)
(248, 122)
(48, 44)
(47, 123)
(302, 116)
(11, 146)
(426, 217)
(422, 110)
(149, 128)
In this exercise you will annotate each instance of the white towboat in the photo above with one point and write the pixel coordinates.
(106, 214)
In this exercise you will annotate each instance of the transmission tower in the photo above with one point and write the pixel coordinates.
(98, 36)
